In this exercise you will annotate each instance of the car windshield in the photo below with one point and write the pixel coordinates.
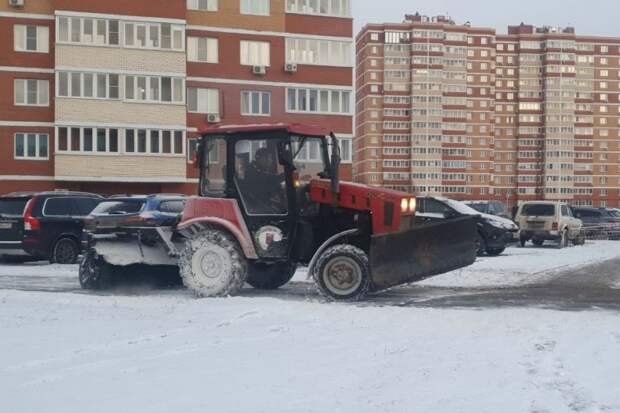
(461, 207)
(540, 210)
(479, 206)
(119, 207)
(13, 206)
(613, 213)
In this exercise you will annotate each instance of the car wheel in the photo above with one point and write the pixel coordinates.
(342, 273)
(563, 241)
(580, 239)
(65, 251)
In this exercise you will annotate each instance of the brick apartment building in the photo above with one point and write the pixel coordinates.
(467, 113)
(108, 96)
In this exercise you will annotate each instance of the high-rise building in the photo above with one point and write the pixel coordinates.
(464, 112)
(109, 96)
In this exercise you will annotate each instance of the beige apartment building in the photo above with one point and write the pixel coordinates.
(461, 111)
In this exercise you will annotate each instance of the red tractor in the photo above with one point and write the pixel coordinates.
(270, 199)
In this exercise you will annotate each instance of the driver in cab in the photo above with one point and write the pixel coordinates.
(264, 183)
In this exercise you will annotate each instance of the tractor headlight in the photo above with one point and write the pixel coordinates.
(404, 205)
(412, 205)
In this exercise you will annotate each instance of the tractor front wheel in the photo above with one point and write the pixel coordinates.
(212, 264)
(270, 277)
(342, 273)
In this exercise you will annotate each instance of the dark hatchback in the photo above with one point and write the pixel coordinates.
(45, 225)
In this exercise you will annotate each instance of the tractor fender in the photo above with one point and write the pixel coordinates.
(330, 241)
(241, 234)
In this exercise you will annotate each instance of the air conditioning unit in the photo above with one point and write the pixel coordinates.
(259, 70)
(16, 3)
(213, 118)
(290, 67)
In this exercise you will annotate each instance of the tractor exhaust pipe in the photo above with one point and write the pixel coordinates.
(335, 167)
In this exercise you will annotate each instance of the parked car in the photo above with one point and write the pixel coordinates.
(541, 221)
(494, 232)
(122, 232)
(45, 225)
(599, 222)
(12, 207)
(490, 207)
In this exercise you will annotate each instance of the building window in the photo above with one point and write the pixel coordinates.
(155, 142)
(31, 38)
(107, 32)
(31, 146)
(255, 53)
(255, 103)
(318, 101)
(207, 5)
(31, 92)
(318, 52)
(202, 49)
(345, 149)
(203, 100)
(87, 140)
(154, 89)
(255, 7)
(88, 85)
(339, 8)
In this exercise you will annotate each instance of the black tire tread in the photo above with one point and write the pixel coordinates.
(353, 252)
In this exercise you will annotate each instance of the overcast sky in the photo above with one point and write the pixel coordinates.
(590, 17)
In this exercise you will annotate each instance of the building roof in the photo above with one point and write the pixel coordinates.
(294, 128)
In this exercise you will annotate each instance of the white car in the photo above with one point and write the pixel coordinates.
(541, 221)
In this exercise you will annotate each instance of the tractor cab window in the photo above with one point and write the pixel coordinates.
(308, 157)
(214, 170)
(260, 178)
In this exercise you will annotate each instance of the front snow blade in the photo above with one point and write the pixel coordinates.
(422, 252)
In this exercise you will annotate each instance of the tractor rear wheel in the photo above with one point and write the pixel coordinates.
(212, 264)
(270, 277)
(342, 273)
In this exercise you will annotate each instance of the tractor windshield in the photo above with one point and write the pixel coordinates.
(310, 157)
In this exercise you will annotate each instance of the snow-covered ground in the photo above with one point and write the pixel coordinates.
(164, 351)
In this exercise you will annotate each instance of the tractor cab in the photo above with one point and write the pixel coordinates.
(267, 170)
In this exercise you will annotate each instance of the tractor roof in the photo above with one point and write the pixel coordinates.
(293, 128)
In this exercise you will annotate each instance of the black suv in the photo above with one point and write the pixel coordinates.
(494, 232)
(45, 225)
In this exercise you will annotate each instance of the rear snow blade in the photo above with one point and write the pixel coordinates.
(422, 252)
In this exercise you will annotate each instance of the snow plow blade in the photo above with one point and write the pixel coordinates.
(422, 252)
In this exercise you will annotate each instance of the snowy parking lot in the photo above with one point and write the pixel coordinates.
(534, 330)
